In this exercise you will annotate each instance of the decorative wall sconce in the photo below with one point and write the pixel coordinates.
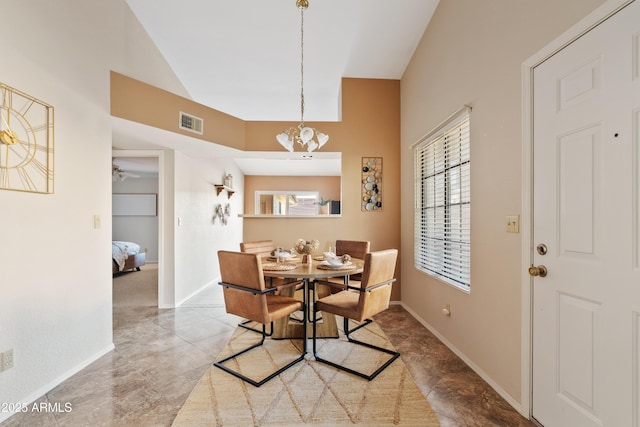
(371, 184)
(222, 214)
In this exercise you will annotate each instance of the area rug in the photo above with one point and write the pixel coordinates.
(309, 393)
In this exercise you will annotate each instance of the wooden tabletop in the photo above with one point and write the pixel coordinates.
(328, 328)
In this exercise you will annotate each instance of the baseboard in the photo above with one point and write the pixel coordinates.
(196, 292)
(506, 396)
(57, 381)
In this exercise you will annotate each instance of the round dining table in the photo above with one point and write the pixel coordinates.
(307, 273)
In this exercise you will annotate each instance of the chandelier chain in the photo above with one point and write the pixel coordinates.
(307, 137)
(302, 66)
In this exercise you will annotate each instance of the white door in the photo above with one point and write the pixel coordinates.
(586, 310)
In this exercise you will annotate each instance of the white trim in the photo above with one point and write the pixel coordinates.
(317, 216)
(162, 266)
(464, 109)
(214, 282)
(576, 31)
(37, 394)
(503, 393)
(444, 149)
(287, 193)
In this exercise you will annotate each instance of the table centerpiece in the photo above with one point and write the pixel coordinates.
(306, 248)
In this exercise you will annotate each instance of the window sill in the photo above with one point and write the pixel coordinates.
(290, 216)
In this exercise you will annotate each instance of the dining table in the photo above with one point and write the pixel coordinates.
(296, 270)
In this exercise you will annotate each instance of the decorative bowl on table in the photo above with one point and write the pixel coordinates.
(306, 248)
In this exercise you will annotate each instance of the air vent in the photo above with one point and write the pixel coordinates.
(191, 123)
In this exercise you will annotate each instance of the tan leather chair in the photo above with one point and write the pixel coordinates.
(361, 303)
(260, 247)
(264, 248)
(246, 295)
(355, 248)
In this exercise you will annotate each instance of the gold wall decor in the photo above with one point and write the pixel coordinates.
(26, 142)
(371, 184)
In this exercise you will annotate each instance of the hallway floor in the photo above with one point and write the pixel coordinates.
(161, 354)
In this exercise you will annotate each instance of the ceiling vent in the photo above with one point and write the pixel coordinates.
(191, 123)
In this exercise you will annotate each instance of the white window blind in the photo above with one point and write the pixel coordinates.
(443, 201)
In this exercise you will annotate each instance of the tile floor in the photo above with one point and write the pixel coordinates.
(161, 354)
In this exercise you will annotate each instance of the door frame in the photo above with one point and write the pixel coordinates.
(592, 20)
(162, 264)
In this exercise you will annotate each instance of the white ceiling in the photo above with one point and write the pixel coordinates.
(243, 57)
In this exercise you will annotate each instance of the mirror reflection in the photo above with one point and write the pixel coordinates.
(299, 184)
(287, 203)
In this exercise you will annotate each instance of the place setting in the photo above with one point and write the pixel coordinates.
(331, 261)
(281, 260)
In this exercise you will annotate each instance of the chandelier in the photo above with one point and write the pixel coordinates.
(307, 137)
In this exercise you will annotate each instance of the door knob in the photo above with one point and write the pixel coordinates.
(540, 270)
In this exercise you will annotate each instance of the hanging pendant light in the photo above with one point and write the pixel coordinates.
(307, 137)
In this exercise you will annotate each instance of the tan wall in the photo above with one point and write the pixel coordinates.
(478, 61)
(370, 127)
(139, 102)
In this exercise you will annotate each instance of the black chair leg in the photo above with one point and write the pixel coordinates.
(220, 363)
(244, 324)
(347, 331)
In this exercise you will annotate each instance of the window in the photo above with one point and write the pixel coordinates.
(443, 202)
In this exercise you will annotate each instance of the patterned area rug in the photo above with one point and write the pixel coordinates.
(309, 393)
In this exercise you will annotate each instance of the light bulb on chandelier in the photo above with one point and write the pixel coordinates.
(307, 137)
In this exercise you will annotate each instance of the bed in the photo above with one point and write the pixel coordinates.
(127, 256)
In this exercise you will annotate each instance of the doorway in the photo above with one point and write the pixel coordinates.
(584, 293)
(153, 236)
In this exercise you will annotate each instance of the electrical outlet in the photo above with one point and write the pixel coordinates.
(7, 360)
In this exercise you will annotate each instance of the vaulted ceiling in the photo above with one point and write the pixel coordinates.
(243, 58)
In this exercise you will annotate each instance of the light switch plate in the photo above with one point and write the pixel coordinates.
(513, 224)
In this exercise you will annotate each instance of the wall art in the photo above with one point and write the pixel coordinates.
(371, 184)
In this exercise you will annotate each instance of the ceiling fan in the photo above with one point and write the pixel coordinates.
(117, 174)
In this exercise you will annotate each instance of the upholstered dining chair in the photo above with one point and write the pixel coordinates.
(260, 247)
(355, 248)
(361, 303)
(265, 248)
(246, 295)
